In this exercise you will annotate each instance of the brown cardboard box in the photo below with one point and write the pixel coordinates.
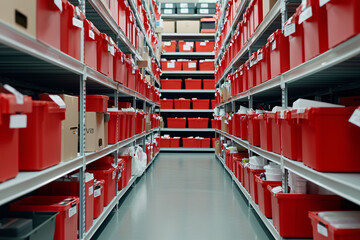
(140, 42)
(142, 63)
(19, 14)
(188, 26)
(223, 125)
(161, 122)
(217, 147)
(94, 131)
(69, 128)
(169, 27)
(267, 6)
(145, 53)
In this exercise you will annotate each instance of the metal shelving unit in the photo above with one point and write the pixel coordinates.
(188, 55)
(187, 110)
(187, 73)
(180, 149)
(186, 16)
(187, 129)
(188, 36)
(200, 91)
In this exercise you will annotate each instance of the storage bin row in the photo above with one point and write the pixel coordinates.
(295, 215)
(187, 103)
(188, 8)
(189, 142)
(189, 83)
(151, 150)
(203, 46)
(187, 65)
(205, 25)
(191, 122)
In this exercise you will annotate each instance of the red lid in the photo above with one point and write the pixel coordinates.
(45, 203)
(9, 105)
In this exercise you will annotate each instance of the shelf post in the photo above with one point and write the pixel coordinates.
(82, 109)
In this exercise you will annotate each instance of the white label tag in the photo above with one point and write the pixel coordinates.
(114, 174)
(97, 192)
(58, 100)
(168, 44)
(184, 10)
(204, 11)
(191, 65)
(260, 56)
(183, 5)
(119, 175)
(204, 5)
(322, 230)
(306, 14)
(91, 34)
(168, 11)
(58, 3)
(77, 22)
(355, 118)
(289, 29)
(77, 11)
(72, 211)
(18, 121)
(273, 45)
(202, 43)
(19, 97)
(323, 2)
(111, 49)
(303, 4)
(300, 110)
(91, 190)
(169, 5)
(186, 47)
(171, 65)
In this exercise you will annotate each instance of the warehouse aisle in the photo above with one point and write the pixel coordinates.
(184, 196)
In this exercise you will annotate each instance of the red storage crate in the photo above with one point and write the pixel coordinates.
(191, 143)
(252, 183)
(123, 6)
(253, 129)
(120, 68)
(236, 124)
(205, 46)
(243, 77)
(188, 65)
(105, 55)
(114, 121)
(169, 46)
(41, 141)
(343, 20)
(198, 122)
(123, 125)
(171, 65)
(264, 195)
(176, 122)
(166, 103)
(251, 78)
(174, 142)
(98, 198)
(48, 18)
(71, 26)
(131, 115)
(96, 103)
(273, 119)
(265, 129)
(242, 173)
(182, 103)
(335, 225)
(279, 53)
(186, 46)
(171, 83)
(246, 178)
(209, 84)
(164, 142)
(92, 35)
(192, 83)
(213, 142)
(204, 142)
(207, 65)
(200, 103)
(140, 122)
(320, 147)
(124, 167)
(244, 127)
(264, 59)
(66, 221)
(290, 135)
(213, 103)
(9, 137)
(257, 12)
(290, 212)
(108, 174)
(314, 21)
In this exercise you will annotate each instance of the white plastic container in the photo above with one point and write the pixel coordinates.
(273, 177)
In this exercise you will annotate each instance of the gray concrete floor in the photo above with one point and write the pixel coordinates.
(184, 196)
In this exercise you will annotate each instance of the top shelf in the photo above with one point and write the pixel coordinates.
(188, 36)
(186, 16)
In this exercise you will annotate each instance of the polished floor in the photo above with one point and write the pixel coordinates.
(184, 196)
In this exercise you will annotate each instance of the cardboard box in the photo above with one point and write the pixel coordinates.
(94, 131)
(140, 42)
(223, 125)
(217, 147)
(267, 6)
(169, 27)
(69, 128)
(187, 26)
(142, 63)
(145, 54)
(19, 14)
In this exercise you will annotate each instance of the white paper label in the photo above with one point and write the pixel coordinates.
(273, 45)
(204, 5)
(322, 230)
(171, 65)
(186, 47)
(300, 110)
(72, 211)
(168, 5)
(303, 4)
(18, 96)
(18, 121)
(58, 3)
(77, 22)
(77, 11)
(114, 174)
(307, 13)
(191, 65)
(91, 190)
(202, 43)
(260, 56)
(91, 34)
(111, 49)
(282, 115)
(355, 118)
(167, 44)
(58, 100)
(323, 2)
(183, 5)
(184, 10)
(168, 11)
(289, 29)
(97, 192)
(204, 11)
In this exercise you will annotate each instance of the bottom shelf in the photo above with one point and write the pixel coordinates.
(180, 149)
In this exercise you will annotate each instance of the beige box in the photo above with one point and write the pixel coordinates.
(217, 147)
(223, 125)
(94, 131)
(145, 53)
(187, 26)
(142, 63)
(19, 14)
(267, 6)
(169, 27)
(140, 42)
(69, 128)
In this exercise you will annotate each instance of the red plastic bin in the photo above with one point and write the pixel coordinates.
(204, 46)
(200, 103)
(186, 46)
(192, 83)
(171, 65)
(279, 53)
(207, 65)
(182, 103)
(246, 177)
(252, 183)
(167, 103)
(320, 146)
(164, 142)
(98, 198)
(131, 118)
(123, 124)
(96, 103)
(189, 65)
(205, 142)
(9, 137)
(169, 46)
(174, 142)
(176, 122)
(264, 195)
(41, 141)
(244, 127)
(236, 124)
(124, 166)
(140, 122)
(290, 135)
(264, 59)
(253, 129)
(171, 83)
(92, 35)
(213, 103)
(191, 143)
(105, 55)
(290, 211)
(66, 222)
(198, 122)
(273, 119)
(209, 84)
(265, 129)
(114, 121)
